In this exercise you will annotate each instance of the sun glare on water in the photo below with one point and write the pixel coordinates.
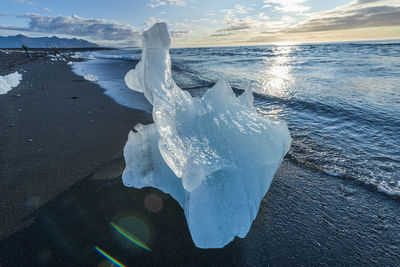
(286, 43)
(277, 75)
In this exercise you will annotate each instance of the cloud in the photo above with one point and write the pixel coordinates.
(179, 34)
(367, 1)
(223, 34)
(210, 12)
(240, 9)
(294, 6)
(181, 29)
(358, 14)
(23, 2)
(96, 29)
(184, 26)
(236, 21)
(46, 9)
(199, 20)
(332, 24)
(262, 16)
(252, 24)
(151, 21)
(236, 25)
(237, 10)
(12, 28)
(157, 3)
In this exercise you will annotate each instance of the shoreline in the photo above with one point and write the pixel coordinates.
(56, 117)
(60, 192)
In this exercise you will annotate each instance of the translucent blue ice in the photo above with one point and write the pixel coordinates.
(215, 155)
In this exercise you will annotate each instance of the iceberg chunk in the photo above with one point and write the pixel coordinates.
(215, 155)
(9, 81)
(90, 77)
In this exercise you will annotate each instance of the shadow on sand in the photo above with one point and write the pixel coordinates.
(66, 230)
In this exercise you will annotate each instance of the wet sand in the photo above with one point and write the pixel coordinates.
(61, 159)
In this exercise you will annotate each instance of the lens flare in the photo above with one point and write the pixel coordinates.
(109, 257)
(130, 237)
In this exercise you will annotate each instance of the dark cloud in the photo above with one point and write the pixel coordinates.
(96, 29)
(12, 28)
(236, 27)
(367, 1)
(178, 34)
(222, 34)
(353, 17)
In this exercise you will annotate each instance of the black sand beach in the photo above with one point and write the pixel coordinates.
(61, 148)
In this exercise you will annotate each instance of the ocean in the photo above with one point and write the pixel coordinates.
(341, 100)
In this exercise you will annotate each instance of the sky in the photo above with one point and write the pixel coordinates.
(194, 23)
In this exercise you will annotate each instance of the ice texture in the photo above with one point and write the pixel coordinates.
(9, 81)
(215, 155)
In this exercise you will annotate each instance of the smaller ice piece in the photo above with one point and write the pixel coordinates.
(90, 77)
(215, 155)
(9, 81)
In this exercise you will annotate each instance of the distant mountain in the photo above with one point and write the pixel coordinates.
(43, 42)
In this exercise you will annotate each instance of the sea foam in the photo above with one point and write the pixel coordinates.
(9, 81)
(215, 155)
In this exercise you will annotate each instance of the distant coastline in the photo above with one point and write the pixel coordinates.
(63, 49)
(43, 42)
